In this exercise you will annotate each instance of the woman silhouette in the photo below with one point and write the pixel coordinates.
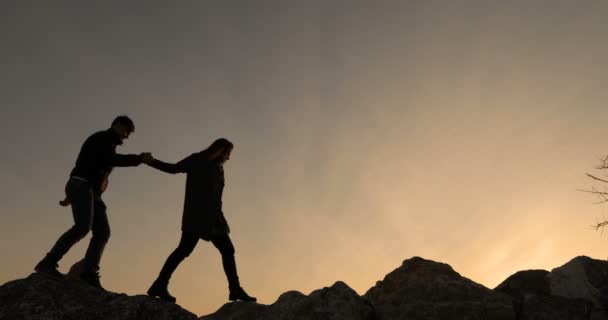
(203, 217)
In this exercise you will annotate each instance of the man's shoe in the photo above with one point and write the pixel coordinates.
(92, 278)
(240, 294)
(48, 268)
(160, 290)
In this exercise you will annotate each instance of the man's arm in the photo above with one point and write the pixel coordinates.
(101, 147)
(125, 160)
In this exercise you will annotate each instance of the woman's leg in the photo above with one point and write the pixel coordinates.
(186, 246)
(224, 245)
(183, 250)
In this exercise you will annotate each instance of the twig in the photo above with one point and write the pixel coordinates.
(600, 225)
(596, 178)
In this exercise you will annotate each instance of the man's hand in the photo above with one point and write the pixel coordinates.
(146, 157)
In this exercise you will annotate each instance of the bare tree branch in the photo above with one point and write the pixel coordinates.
(596, 178)
(600, 225)
(593, 192)
(602, 195)
(604, 163)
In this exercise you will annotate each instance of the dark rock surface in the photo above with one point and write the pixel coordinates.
(424, 289)
(583, 278)
(528, 282)
(39, 297)
(419, 289)
(532, 298)
(338, 302)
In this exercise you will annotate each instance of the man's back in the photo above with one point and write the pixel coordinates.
(91, 163)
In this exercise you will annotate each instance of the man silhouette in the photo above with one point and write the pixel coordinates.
(87, 181)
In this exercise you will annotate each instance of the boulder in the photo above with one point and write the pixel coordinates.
(531, 295)
(583, 278)
(424, 289)
(338, 302)
(39, 297)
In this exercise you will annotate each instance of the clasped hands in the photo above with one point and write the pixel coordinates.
(146, 157)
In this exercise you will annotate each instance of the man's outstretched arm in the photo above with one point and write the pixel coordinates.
(124, 160)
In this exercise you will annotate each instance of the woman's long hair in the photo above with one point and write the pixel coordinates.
(217, 145)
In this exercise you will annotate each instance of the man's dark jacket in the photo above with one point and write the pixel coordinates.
(98, 156)
(203, 199)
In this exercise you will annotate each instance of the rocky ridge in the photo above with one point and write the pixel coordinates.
(418, 289)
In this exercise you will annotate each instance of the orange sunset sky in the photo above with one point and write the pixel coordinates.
(365, 132)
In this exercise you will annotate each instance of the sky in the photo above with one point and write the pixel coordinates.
(365, 132)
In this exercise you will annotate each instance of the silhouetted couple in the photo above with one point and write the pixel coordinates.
(203, 217)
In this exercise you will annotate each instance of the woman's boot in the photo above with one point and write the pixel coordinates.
(159, 289)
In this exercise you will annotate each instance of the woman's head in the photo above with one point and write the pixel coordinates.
(219, 150)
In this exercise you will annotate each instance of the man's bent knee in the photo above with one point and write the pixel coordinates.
(80, 231)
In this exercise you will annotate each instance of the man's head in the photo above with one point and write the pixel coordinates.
(123, 126)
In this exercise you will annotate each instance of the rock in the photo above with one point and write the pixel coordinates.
(576, 290)
(419, 289)
(39, 297)
(532, 299)
(424, 289)
(76, 270)
(526, 282)
(583, 278)
(338, 302)
(238, 311)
